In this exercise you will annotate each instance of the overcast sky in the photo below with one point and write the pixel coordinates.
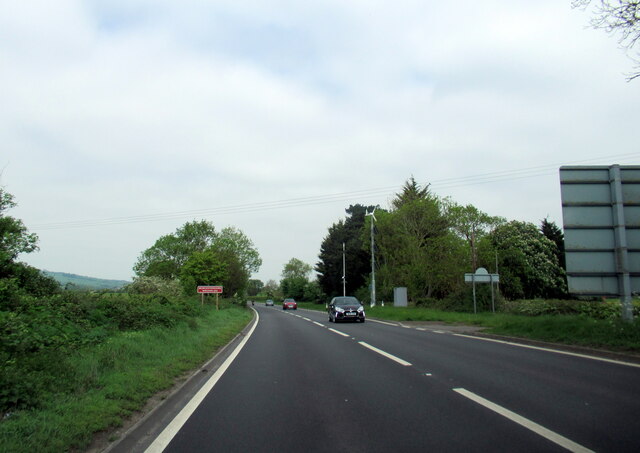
(122, 120)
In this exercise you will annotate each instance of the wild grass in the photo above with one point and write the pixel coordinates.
(106, 382)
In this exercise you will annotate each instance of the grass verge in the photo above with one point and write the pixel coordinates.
(111, 380)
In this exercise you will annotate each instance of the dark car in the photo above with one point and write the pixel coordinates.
(345, 308)
(268, 303)
(289, 304)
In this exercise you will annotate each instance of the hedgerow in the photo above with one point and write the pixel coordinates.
(37, 334)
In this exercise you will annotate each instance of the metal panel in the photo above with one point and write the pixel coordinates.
(631, 192)
(601, 262)
(589, 216)
(589, 286)
(633, 238)
(634, 260)
(632, 216)
(587, 193)
(630, 174)
(589, 239)
(601, 217)
(400, 297)
(584, 174)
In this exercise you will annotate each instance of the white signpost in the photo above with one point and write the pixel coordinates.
(482, 276)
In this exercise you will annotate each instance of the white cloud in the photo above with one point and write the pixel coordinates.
(114, 109)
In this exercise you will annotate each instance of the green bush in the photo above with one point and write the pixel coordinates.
(461, 300)
(606, 309)
(36, 334)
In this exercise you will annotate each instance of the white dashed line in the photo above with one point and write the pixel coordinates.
(318, 324)
(338, 332)
(385, 354)
(538, 429)
(383, 322)
(306, 319)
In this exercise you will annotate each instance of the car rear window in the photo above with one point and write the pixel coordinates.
(347, 301)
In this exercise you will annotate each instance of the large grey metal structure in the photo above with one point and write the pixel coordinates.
(601, 217)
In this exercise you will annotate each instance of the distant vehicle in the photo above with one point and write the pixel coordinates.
(289, 304)
(345, 308)
(268, 303)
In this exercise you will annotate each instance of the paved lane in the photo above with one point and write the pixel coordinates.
(297, 386)
(303, 384)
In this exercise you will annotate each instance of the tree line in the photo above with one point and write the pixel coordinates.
(197, 254)
(427, 243)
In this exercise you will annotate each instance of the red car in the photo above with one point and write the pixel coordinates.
(289, 304)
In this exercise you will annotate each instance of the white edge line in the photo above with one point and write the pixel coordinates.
(338, 332)
(557, 351)
(538, 429)
(385, 354)
(163, 439)
(383, 322)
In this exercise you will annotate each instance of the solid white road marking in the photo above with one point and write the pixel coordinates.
(338, 332)
(385, 354)
(538, 429)
(161, 442)
(557, 351)
(383, 322)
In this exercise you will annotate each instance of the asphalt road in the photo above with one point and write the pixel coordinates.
(302, 384)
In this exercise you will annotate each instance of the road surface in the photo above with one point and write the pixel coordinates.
(302, 384)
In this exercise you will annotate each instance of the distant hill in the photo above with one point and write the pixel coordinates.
(85, 283)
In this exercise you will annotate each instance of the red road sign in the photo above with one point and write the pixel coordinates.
(209, 289)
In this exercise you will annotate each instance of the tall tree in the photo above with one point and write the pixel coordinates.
(358, 262)
(204, 268)
(416, 246)
(271, 289)
(295, 278)
(231, 248)
(14, 236)
(411, 191)
(296, 268)
(235, 241)
(529, 266)
(15, 277)
(169, 253)
(472, 224)
(254, 287)
(621, 17)
(553, 232)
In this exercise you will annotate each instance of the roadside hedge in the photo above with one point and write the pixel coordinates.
(603, 309)
(37, 334)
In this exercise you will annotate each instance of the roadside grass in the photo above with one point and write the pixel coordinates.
(581, 330)
(109, 381)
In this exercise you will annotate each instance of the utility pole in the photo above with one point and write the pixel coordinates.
(373, 261)
(344, 273)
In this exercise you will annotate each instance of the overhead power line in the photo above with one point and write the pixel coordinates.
(447, 183)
